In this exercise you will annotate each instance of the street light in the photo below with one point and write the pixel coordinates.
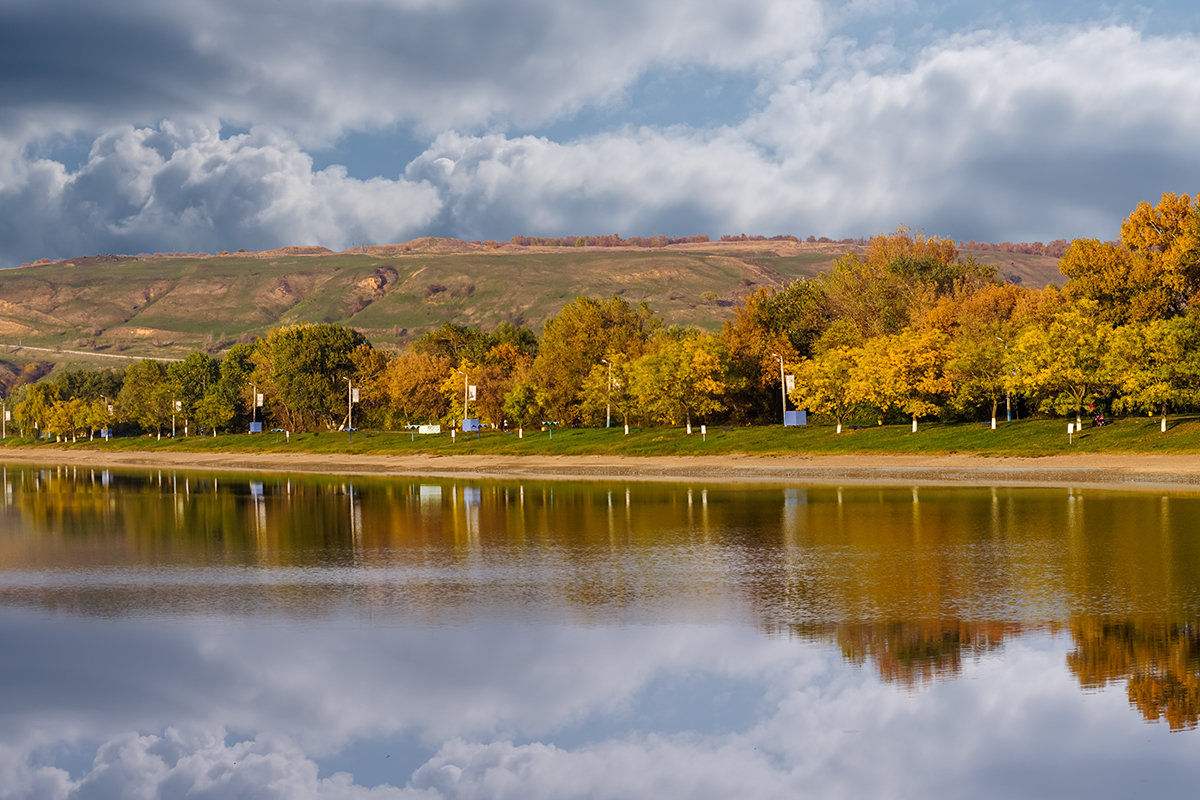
(608, 399)
(465, 387)
(1007, 390)
(782, 388)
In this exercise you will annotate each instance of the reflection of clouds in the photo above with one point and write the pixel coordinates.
(222, 708)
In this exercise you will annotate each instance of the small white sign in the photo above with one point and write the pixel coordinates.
(354, 395)
(179, 405)
(258, 399)
(471, 392)
(789, 381)
(429, 429)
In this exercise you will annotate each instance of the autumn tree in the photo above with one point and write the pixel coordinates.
(413, 383)
(905, 371)
(1063, 362)
(682, 378)
(828, 384)
(575, 340)
(767, 325)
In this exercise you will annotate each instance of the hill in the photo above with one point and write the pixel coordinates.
(168, 305)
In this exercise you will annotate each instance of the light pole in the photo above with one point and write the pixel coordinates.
(465, 387)
(4, 418)
(1007, 390)
(608, 399)
(349, 404)
(782, 388)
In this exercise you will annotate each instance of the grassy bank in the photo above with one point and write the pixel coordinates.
(1025, 438)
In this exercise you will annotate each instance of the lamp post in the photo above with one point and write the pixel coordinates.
(465, 393)
(349, 404)
(1007, 390)
(4, 418)
(782, 388)
(608, 399)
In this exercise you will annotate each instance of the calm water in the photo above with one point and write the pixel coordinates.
(172, 634)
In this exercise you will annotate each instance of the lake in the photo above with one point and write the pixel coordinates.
(171, 634)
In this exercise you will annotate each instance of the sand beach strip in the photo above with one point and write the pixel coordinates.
(1123, 471)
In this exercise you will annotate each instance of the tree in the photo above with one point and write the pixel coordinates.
(413, 383)
(1063, 362)
(826, 384)
(1155, 364)
(145, 397)
(575, 340)
(978, 369)
(302, 370)
(682, 379)
(1152, 273)
(905, 371)
(32, 411)
(523, 405)
(767, 323)
(190, 380)
(608, 389)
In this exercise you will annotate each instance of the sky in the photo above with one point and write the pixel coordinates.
(136, 126)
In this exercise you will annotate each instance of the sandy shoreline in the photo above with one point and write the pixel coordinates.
(1125, 471)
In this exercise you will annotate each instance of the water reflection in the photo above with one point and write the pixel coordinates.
(470, 627)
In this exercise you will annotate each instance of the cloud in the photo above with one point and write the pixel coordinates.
(986, 136)
(187, 187)
(1052, 132)
(220, 708)
(318, 69)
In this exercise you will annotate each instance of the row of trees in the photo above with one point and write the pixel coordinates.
(907, 330)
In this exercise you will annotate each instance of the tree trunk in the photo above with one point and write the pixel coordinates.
(839, 426)
(914, 423)
(995, 404)
(1162, 427)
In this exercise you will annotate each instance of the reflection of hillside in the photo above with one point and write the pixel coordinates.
(1159, 661)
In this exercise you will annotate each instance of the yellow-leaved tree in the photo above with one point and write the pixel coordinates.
(906, 371)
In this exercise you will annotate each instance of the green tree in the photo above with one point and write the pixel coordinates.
(145, 396)
(32, 410)
(190, 381)
(302, 369)
(1155, 365)
(979, 370)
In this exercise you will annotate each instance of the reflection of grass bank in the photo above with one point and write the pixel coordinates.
(1025, 438)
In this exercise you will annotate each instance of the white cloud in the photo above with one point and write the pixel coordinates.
(986, 136)
(1053, 132)
(186, 188)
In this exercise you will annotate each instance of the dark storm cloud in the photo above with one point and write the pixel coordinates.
(319, 69)
(97, 61)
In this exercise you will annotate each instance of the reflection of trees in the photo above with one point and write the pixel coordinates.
(1158, 660)
(917, 652)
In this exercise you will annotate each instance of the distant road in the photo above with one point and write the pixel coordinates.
(58, 350)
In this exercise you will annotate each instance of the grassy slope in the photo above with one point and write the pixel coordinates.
(1025, 438)
(170, 305)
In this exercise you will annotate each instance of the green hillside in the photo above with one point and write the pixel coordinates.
(169, 305)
